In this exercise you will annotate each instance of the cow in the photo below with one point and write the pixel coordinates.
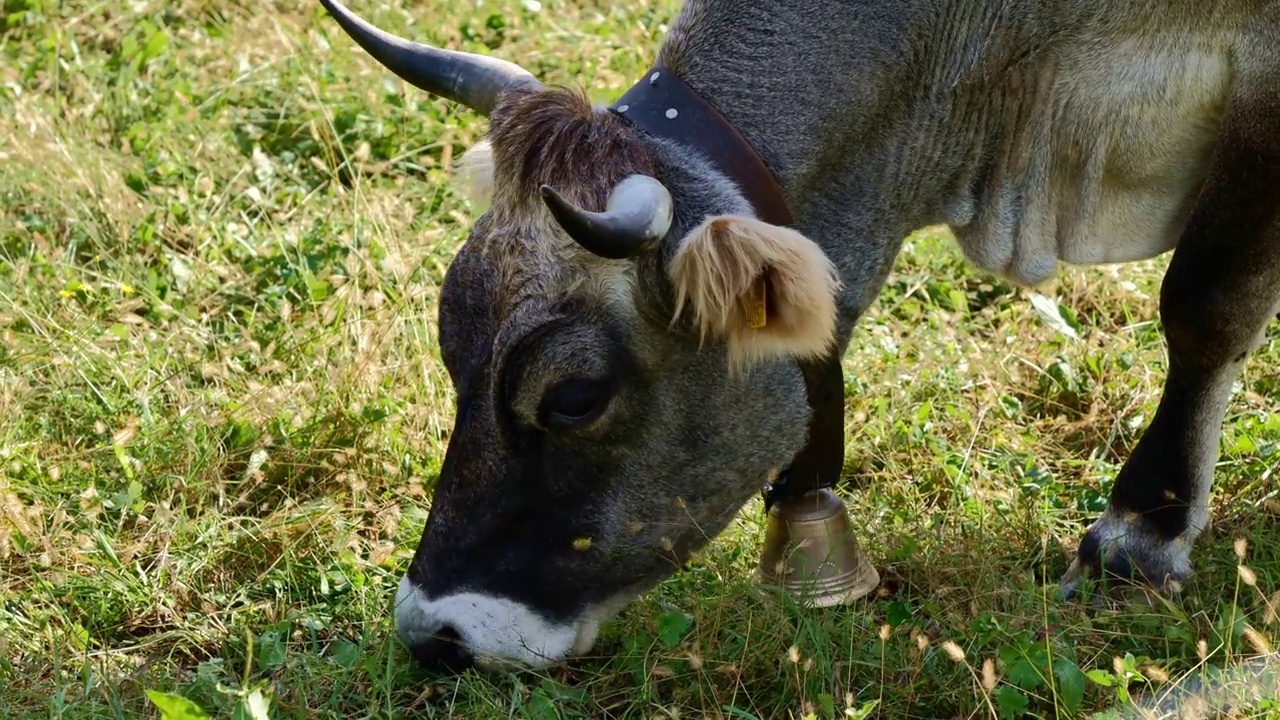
(627, 324)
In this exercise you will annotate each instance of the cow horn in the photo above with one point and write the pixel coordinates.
(638, 215)
(467, 78)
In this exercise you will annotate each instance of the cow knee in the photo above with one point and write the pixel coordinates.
(1207, 328)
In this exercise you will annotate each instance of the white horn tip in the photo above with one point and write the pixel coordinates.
(643, 191)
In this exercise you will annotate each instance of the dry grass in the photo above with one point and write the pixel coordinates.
(222, 233)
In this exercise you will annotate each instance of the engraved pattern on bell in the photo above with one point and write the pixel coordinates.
(810, 550)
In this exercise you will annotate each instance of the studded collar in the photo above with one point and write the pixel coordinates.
(662, 104)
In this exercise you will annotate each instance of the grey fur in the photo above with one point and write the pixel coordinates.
(1016, 122)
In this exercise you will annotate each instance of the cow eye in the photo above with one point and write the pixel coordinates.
(574, 402)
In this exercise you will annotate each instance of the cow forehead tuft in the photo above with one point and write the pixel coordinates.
(516, 255)
(554, 136)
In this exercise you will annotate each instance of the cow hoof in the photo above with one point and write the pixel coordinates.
(1119, 553)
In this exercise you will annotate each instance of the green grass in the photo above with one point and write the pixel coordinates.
(222, 234)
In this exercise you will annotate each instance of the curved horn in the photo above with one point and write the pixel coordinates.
(638, 215)
(467, 78)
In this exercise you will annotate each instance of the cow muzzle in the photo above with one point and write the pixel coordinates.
(453, 632)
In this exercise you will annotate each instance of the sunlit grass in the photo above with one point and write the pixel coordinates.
(222, 234)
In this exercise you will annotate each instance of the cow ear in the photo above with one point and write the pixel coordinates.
(766, 290)
(474, 172)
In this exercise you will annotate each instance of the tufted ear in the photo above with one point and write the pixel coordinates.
(766, 290)
(475, 174)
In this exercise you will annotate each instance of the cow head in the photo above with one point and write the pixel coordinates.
(615, 408)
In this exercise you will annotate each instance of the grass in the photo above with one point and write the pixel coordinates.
(222, 234)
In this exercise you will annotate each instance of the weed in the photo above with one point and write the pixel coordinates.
(223, 230)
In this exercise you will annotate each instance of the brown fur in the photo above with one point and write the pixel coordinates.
(715, 267)
(550, 136)
(555, 137)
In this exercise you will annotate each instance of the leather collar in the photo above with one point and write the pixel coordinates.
(663, 105)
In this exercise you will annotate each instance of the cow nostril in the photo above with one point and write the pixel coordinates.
(443, 651)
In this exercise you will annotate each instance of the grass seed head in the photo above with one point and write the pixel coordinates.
(1246, 575)
(1155, 674)
(1269, 613)
(1257, 641)
(953, 651)
(922, 640)
(989, 674)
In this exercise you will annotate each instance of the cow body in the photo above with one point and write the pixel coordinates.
(1093, 157)
(1080, 131)
(1049, 133)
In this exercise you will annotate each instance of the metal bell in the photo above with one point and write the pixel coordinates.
(810, 550)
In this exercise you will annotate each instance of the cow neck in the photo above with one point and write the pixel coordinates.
(663, 105)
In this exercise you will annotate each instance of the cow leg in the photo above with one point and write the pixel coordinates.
(1220, 291)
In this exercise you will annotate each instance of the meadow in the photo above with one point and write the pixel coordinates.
(223, 230)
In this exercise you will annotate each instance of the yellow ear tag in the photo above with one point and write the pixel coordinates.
(757, 305)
